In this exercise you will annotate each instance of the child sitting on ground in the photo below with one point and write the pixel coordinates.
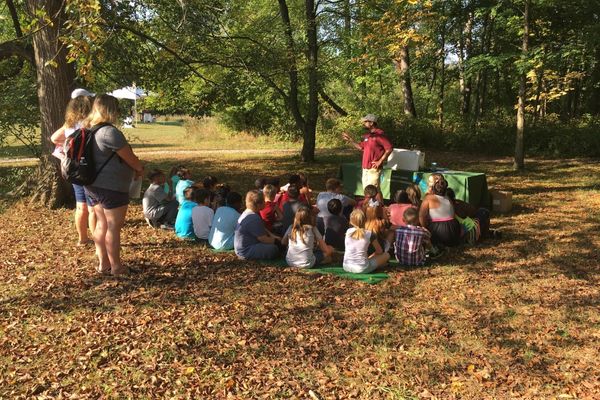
(334, 191)
(224, 222)
(411, 240)
(210, 183)
(260, 183)
(220, 196)
(252, 241)
(202, 215)
(172, 179)
(301, 238)
(475, 221)
(357, 242)
(378, 224)
(271, 214)
(335, 225)
(296, 181)
(396, 210)
(184, 227)
(160, 210)
(290, 207)
(184, 182)
(304, 188)
(370, 193)
(414, 195)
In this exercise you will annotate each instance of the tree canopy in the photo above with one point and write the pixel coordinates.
(294, 67)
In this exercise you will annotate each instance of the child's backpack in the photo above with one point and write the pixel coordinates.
(78, 165)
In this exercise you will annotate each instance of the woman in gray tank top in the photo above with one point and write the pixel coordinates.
(437, 214)
(109, 193)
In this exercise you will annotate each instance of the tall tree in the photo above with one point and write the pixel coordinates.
(55, 79)
(519, 162)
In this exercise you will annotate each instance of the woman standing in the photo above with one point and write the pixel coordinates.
(76, 114)
(109, 194)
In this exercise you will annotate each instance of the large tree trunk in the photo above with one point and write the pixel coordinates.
(310, 127)
(55, 80)
(403, 67)
(519, 163)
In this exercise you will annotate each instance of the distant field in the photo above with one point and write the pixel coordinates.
(205, 134)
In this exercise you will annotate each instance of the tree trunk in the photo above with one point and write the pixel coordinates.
(519, 162)
(465, 47)
(403, 67)
(55, 81)
(442, 75)
(538, 94)
(430, 87)
(308, 147)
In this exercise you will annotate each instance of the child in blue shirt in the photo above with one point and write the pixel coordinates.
(183, 183)
(224, 222)
(184, 227)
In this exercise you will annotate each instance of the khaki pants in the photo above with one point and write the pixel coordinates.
(371, 177)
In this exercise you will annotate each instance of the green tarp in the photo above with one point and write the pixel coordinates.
(468, 186)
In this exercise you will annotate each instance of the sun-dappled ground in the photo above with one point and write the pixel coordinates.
(515, 318)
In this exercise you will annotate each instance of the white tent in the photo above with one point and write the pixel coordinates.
(130, 93)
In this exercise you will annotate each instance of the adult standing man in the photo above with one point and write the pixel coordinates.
(376, 148)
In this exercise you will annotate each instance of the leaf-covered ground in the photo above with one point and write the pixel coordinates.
(516, 318)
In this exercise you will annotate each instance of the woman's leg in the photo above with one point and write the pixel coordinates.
(100, 239)
(91, 218)
(81, 222)
(115, 218)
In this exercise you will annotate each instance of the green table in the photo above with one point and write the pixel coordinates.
(468, 186)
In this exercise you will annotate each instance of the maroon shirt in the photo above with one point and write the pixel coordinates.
(374, 144)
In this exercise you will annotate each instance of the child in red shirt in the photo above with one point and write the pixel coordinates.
(271, 214)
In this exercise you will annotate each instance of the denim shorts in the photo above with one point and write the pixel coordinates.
(80, 196)
(107, 198)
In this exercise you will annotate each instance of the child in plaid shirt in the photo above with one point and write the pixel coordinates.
(411, 240)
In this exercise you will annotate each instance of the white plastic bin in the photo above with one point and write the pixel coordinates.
(410, 160)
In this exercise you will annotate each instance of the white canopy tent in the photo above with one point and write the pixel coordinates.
(130, 93)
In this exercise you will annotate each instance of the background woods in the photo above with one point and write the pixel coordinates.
(509, 77)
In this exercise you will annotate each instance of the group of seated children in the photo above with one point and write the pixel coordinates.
(281, 220)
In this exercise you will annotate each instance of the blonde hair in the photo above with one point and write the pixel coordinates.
(302, 223)
(375, 219)
(105, 109)
(269, 192)
(78, 110)
(254, 199)
(357, 220)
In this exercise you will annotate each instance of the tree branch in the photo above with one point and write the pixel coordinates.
(332, 103)
(15, 18)
(10, 49)
(163, 46)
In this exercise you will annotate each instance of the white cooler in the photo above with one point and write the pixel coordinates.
(411, 160)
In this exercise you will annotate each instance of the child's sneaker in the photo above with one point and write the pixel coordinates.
(436, 252)
(167, 227)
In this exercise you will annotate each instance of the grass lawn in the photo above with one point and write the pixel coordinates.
(204, 134)
(516, 318)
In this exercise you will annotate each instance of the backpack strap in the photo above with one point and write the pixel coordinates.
(92, 132)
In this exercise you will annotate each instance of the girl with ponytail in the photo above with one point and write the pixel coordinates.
(358, 239)
(301, 238)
